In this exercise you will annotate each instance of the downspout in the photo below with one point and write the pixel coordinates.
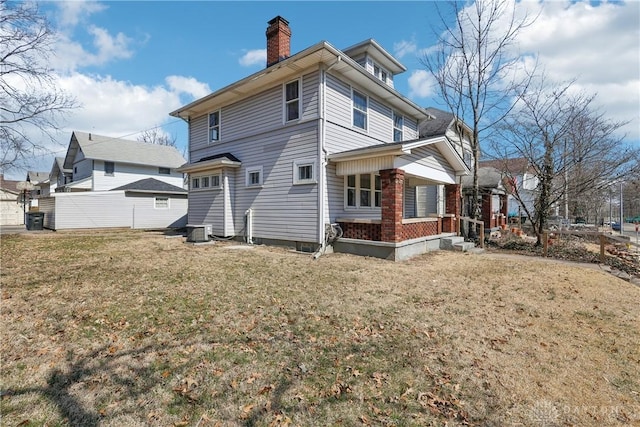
(322, 156)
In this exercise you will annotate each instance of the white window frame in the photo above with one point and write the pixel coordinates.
(218, 126)
(207, 179)
(194, 183)
(357, 187)
(219, 178)
(155, 202)
(365, 112)
(286, 102)
(248, 173)
(297, 164)
(395, 115)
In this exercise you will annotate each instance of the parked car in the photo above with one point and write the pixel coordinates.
(615, 226)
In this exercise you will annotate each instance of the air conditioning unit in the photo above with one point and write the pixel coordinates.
(199, 233)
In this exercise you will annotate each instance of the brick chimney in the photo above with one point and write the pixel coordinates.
(278, 40)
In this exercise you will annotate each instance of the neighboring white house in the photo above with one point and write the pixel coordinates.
(112, 182)
(518, 175)
(11, 206)
(100, 163)
(59, 176)
(317, 140)
(40, 181)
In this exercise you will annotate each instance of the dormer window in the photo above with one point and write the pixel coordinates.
(380, 73)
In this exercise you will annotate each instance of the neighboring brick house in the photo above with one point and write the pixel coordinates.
(316, 141)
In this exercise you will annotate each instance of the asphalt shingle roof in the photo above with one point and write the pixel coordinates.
(110, 149)
(150, 185)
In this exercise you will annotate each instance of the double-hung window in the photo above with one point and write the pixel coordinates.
(214, 126)
(359, 110)
(109, 168)
(398, 124)
(363, 191)
(215, 181)
(195, 183)
(292, 101)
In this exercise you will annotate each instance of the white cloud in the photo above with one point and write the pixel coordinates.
(596, 45)
(421, 84)
(70, 13)
(254, 57)
(188, 85)
(404, 47)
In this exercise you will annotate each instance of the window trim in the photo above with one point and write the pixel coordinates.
(297, 164)
(209, 179)
(285, 102)
(155, 202)
(248, 172)
(357, 196)
(365, 112)
(164, 171)
(394, 115)
(219, 126)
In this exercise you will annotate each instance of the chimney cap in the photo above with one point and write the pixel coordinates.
(278, 18)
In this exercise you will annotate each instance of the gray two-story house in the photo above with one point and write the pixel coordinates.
(319, 145)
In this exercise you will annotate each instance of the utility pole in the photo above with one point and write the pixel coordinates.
(621, 212)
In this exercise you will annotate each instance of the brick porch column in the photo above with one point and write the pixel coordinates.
(392, 181)
(452, 198)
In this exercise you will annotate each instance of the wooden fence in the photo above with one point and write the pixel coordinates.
(477, 223)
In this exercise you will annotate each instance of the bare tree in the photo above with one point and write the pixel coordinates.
(155, 136)
(30, 102)
(571, 148)
(474, 66)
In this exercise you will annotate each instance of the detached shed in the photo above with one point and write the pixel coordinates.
(144, 204)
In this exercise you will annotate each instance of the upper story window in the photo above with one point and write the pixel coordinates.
(164, 171)
(214, 126)
(380, 73)
(398, 125)
(360, 103)
(468, 158)
(109, 168)
(195, 183)
(292, 101)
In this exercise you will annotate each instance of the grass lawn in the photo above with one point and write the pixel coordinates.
(133, 329)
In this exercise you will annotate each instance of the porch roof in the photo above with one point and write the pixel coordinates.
(211, 162)
(396, 155)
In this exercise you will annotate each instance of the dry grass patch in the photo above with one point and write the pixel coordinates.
(113, 329)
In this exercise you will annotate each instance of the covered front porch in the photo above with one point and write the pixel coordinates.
(419, 199)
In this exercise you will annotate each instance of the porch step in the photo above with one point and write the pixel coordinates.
(448, 242)
(464, 246)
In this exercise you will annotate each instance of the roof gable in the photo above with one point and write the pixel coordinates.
(98, 147)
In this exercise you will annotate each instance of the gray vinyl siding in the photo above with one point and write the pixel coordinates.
(335, 194)
(281, 210)
(379, 118)
(207, 207)
(82, 168)
(253, 116)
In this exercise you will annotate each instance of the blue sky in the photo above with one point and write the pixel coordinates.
(131, 63)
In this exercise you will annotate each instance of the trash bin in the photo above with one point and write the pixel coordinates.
(35, 220)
